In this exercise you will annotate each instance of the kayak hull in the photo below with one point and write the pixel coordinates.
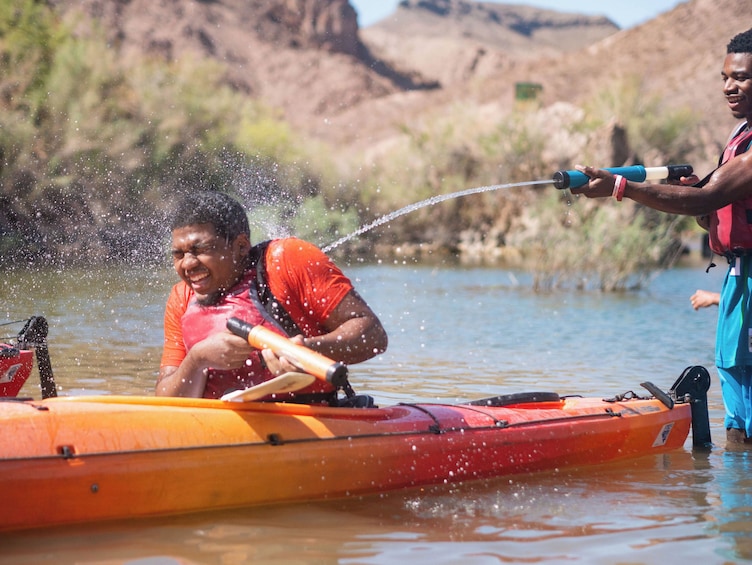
(74, 460)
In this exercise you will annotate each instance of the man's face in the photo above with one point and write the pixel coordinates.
(207, 263)
(737, 84)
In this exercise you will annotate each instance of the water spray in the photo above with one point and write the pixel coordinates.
(422, 204)
(561, 180)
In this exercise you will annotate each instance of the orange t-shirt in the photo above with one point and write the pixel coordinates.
(301, 277)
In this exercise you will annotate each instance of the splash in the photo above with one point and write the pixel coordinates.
(427, 202)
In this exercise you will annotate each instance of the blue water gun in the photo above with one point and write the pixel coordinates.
(636, 173)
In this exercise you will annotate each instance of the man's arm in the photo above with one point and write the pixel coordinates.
(729, 183)
(355, 333)
(171, 383)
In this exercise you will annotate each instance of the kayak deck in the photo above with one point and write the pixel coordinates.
(78, 459)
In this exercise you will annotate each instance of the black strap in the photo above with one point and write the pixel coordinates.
(262, 294)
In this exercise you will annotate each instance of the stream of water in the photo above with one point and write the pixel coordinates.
(422, 204)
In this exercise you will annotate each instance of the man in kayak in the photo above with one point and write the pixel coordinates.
(723, 204)
(287, 285)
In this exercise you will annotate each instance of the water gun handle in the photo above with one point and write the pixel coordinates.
(636, 173)
(305, 359)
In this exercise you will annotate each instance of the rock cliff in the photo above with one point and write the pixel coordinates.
(310, 59)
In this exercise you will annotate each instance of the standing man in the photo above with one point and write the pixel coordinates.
(287, 285)
(723, 204)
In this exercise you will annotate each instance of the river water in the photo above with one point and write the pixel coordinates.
(455, 333)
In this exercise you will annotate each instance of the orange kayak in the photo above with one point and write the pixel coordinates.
(79, 459)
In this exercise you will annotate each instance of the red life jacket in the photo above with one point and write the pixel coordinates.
(198, 322)
(730, 228)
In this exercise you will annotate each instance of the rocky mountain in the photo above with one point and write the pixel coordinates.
(308, 57)
(456, 40)
(677, 58)
(353, 88)
(302, 56)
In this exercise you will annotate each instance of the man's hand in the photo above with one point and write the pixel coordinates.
(280, 365)
(601, 183)
(223, 350)
(704, 298)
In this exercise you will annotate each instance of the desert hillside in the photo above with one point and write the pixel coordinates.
(354, 88)
(453, 41)
(346, 86)
(677, 56)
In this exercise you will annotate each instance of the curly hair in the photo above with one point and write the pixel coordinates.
(740, 43)
(211, 207)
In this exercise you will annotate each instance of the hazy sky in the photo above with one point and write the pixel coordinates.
(624, 13)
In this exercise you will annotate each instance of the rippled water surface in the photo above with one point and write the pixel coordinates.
(455, 333)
